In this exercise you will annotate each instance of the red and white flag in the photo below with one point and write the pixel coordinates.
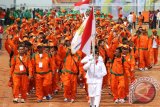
(84, 35)
(82, 6)
(83, 2)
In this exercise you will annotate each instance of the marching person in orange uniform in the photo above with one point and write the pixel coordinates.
(117, 77)
(28, 52)
(129, 65)
(154, 42)
(70, 70)
(20, 68)
(135, 40)
(103, 53)
(11, 45)
(134, 20)
(114, 42)
(140, 19)
(144, 63)
(56, 61)
(42, 69)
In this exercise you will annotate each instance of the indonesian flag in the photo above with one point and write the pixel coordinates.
(82, 6)
(83, 2)
(84, 35)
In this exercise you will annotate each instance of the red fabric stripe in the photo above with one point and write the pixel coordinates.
(87, 31)
(81, 2)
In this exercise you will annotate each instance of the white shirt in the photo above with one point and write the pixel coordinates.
(154, 45)
(94, 74)
(130, 18)
(40, 55)
(158, 16)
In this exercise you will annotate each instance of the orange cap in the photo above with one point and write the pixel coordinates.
(110, 16)
(154, 30)
(18, 19)
(68, 38)
(98, 12)
(125, 46)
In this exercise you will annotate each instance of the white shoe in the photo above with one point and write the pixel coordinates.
(116, 101)
(72, 100)
(121, 100)
(141, 69)
(22, 101)
(65, 100)
(15, 100)
(145, 68)
(44, 98)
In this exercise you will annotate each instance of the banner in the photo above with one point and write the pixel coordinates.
(64, 1)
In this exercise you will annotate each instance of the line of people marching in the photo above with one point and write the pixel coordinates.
(41, 58)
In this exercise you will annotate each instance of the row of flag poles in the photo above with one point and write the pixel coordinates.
(85, 34)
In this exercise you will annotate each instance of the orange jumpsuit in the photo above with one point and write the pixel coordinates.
(140, 20)
(56, 61)
(114, 44)
(117, 79)
(143, 51)
(135, 40)
(129, 64)
(43, 76)
(69, 75)
(19, 74)
(153, 49)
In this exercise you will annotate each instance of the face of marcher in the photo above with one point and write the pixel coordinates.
(40, 49)
(21, 50)
(155, 33)
(102, 44)
(10, 36)
(125, 51)
(46, 50)
(96, 55)
(125, 42)
(52, 50)
(68, 43)
(117, 53)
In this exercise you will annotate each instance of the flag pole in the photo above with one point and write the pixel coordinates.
(93, 40)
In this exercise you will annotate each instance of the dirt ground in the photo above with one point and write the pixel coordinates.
(57, 101)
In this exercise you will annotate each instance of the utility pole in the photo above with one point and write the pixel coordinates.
(14, 4)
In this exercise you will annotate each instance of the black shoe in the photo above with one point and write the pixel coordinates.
(39, 101)
(149, 67)
(55, 92)
(48, 97)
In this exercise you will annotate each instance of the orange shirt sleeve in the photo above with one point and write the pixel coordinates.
(13, 63)
(8, 49)
(30, 67)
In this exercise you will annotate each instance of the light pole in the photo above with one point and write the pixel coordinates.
(14, 3)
